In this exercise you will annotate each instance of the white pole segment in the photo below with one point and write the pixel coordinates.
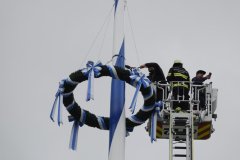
(118, 35)
(117, 131)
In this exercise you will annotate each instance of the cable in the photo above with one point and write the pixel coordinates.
(134, 41)
(104, 36)
(98, 33)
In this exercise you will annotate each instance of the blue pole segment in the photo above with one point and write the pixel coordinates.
(116, 3)
(117, 124)
(117, 97)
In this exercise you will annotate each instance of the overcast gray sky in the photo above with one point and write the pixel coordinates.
(42, 42)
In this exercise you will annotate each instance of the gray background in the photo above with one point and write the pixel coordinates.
(42, 42)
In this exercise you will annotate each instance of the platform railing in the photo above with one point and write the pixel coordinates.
(195, 92)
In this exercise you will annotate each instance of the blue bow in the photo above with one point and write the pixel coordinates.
(91, 71)
(157, 109)
(74, 132)
(58, 98)
(138, 79)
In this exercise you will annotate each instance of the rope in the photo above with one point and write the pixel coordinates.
(111, 60)
(104, 36)
(133, 37)
(98, 33)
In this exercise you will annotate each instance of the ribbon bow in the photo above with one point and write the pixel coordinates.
(58, 99)
(74, 132)
(157, 109)
(138, 79)
(91, 71)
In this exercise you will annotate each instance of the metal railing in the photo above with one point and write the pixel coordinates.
(198, 94)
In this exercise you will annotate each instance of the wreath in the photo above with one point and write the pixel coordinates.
(80, 116)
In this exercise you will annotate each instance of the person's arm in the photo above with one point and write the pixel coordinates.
(209, 75)
(202, 79)
(152, 64)
(128, 67)
(188, 79)
(199, 80)
(148, 65)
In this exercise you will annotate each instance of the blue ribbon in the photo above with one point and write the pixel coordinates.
(58, 100)
(91, 71)
(157, 109)
(138, 78)
(74, 132)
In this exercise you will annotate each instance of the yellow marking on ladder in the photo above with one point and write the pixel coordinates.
(204, 134)
(159, 129)
(159, 135)
(204, 128)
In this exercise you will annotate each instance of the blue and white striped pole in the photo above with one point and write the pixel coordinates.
(117, 131)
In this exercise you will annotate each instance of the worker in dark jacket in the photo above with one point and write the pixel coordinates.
(155, 72)
(180, 89)
(156, 75)
(198, 80)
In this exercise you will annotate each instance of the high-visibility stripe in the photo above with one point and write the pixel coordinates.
(159, 130)
(159, 134)
(178, 75)
(204, 128)
(204, 135)
(180, 85)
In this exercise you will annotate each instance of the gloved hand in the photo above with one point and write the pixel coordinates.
(129, 67)
(209, 75)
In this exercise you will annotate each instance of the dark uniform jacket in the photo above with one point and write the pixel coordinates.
(178, 74)
(157, 74)
(199, 80)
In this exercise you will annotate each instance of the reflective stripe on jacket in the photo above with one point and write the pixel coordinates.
(180, 85)
(179, 75)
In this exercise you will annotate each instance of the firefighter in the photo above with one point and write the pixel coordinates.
(178, 78)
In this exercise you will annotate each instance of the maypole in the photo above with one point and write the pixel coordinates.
(117, 131)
